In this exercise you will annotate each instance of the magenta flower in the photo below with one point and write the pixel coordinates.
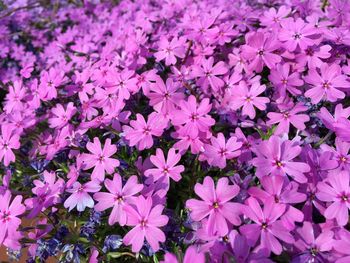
(336, 190)
(14, 97)
(146, 221)
(168, 167)
(285, 80)
(9, 221)
(208, 74)
(47, 193)
(8, 140)
(340, 154)
(285, 118)
(313, 55)
(80, 197)
(219, 150)
(326, 86)
(266, 225)
(216, 205)
(243, 252)
(100, 158)
(277, 189)
(342, 246)
(49, 82)
(313, 242)
(170, 50)
(296, 33)
(330, 121)
(259, 50)
(60, 116)
(164, 97)
(273, 18)
(193, 117)
(140, 133)
(192, 255)
(275, 157)
(118, 197)
(247, 98)
(122, 84)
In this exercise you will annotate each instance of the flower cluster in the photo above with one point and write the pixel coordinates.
(175, 131)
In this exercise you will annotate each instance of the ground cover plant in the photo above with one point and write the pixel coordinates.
(175, 130)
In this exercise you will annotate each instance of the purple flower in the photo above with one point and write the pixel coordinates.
(266, 225)
(216, 205)
(275, 157)
(147, 221)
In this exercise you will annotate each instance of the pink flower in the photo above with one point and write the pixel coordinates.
(336, 190)
(168, 167)
(170, 50)
(100, 158)
(163, 97)
(9, 221)
(314, 241)
(219, 150)
(247, 98)
(80, 197)
(312, 56)
(266, 225)
(208, 74)
(225, 33)
(216, 205)
(146, 221)
(193, 117)
(60, 116)
(325, 86)
(8, 140)
(49, 81)
(285, 80)
(340, 155)
(192, 255)
(275, 157)
(122, 83)
(280, 191)
(328, 120)
(273, 18)
(296, 34)
(14, 97)
(259, 50)
(342, 246)
(185, 142)
(118, 197)
(47, 193)
(140, 133)
(285, 118)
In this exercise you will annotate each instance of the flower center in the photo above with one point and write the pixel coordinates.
(5, 216)
(222, 152)
(264, 225)
(325, 85)
(286, 115)
(314, 251)
(261, 52)
(143, 222)
(216, 205)
(278, 163)
(146, 130)
(297, 36)
(194, 116)
(119, 198)
(343, 159)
